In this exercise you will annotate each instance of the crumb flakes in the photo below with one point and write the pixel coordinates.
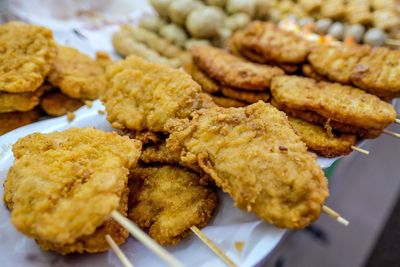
(239, 245)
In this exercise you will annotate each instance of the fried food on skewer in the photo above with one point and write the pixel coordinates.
(10, 102)
(255, 156)
(337, 62)
(59, 175)
(245, 95)
(13, 120)
(207, 84)
(27, 54)
(167, 200)
(227, 102)
(56, 103)
(319, 140)
(233, 71)
(345, 105)
(142, 95)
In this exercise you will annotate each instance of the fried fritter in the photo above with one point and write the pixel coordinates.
(233, 71)
(344, 104)
(378, 73)
(207, 84)
(319, 140)
(13, 120)
(309, 72)
(166, 201)
(272, 43)
(255, 156)
(60, 175)
(142, 95)
(227, 102)
(245, 95)
(159, 153)
(103, 59)
(10, 102)
(56, 103)
(336, 62)
(77, 75)
(27, 54)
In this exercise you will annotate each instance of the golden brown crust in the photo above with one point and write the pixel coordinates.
(245, 95)
(255, 156)
(10, 102)
(207, 84)
(227, 102)
(167, 200)
(344, 104)
(309, 72)
(233, 71)
(103, 59)
(27, 54)
(13, 120)
(56, 103)
(77, 75)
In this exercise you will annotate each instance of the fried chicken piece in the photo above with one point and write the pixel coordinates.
(336, 62)
(77, 75)
(27, 54)
(167, 200)
(13, 120)
(333, 101)
(255, 156)
(319, 140)
(272, 43)
(233, 71)
(159, 153)
(244, 95)
(378, 73)
(309, 72)
(56, 103)
(143, 96)
(209, 85)
(227, 102)
(60, 175)
(10, 102)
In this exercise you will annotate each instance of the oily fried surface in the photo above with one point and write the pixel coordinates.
(319, 140)
(227, 102)
(271, 43)
(378, 73)
(207, 84)
(77, 75)
(159, 153)
(336, 62)
(60, 175)
(309, 72)
(56, 103)
(13, 120)
(341, 103)
(167, 200)
(27, 54)
(10, 102)
(255, 156)
(233, 71)
(245, 95)
(143, 95)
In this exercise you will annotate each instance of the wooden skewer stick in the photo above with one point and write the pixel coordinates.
(397, 135)
(330, 212)
(146, 240)
(212, 246)
(358, 149)
(124, 260)
(397, 121)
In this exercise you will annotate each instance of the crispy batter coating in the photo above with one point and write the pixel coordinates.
(336, 62)
(244, 95)
(333, 101)
(233, 71)
(56, 103)
(159, 153)
(10, 102)
(166, 201)
(378, 73)
(309, 72)
(143, 95)
(77, 75)
(13, 120)
(27, 54)
(227, 102)
(103, 59)
(272, 43)
(207, 84)
(59, 175)
(255, 156)
(319, 140)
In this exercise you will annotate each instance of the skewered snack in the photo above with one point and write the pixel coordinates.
(233, 71)
(207, 84)
(27, 54)
(274, 176)
(143, 95)
(309, 72)
(13, 120)
(73, 172)
(245, 95)
(341, 107)
(378, 73)
(20, 101)
(55, 103)
(76, 74)
(319, 140)
(167, 200)
(271, 43)
(337, 62)
(227, 102)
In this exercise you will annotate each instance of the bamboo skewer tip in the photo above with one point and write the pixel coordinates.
(397, 135)
(124, 260)
(397, 121)
(360, 150)
(333, 214)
